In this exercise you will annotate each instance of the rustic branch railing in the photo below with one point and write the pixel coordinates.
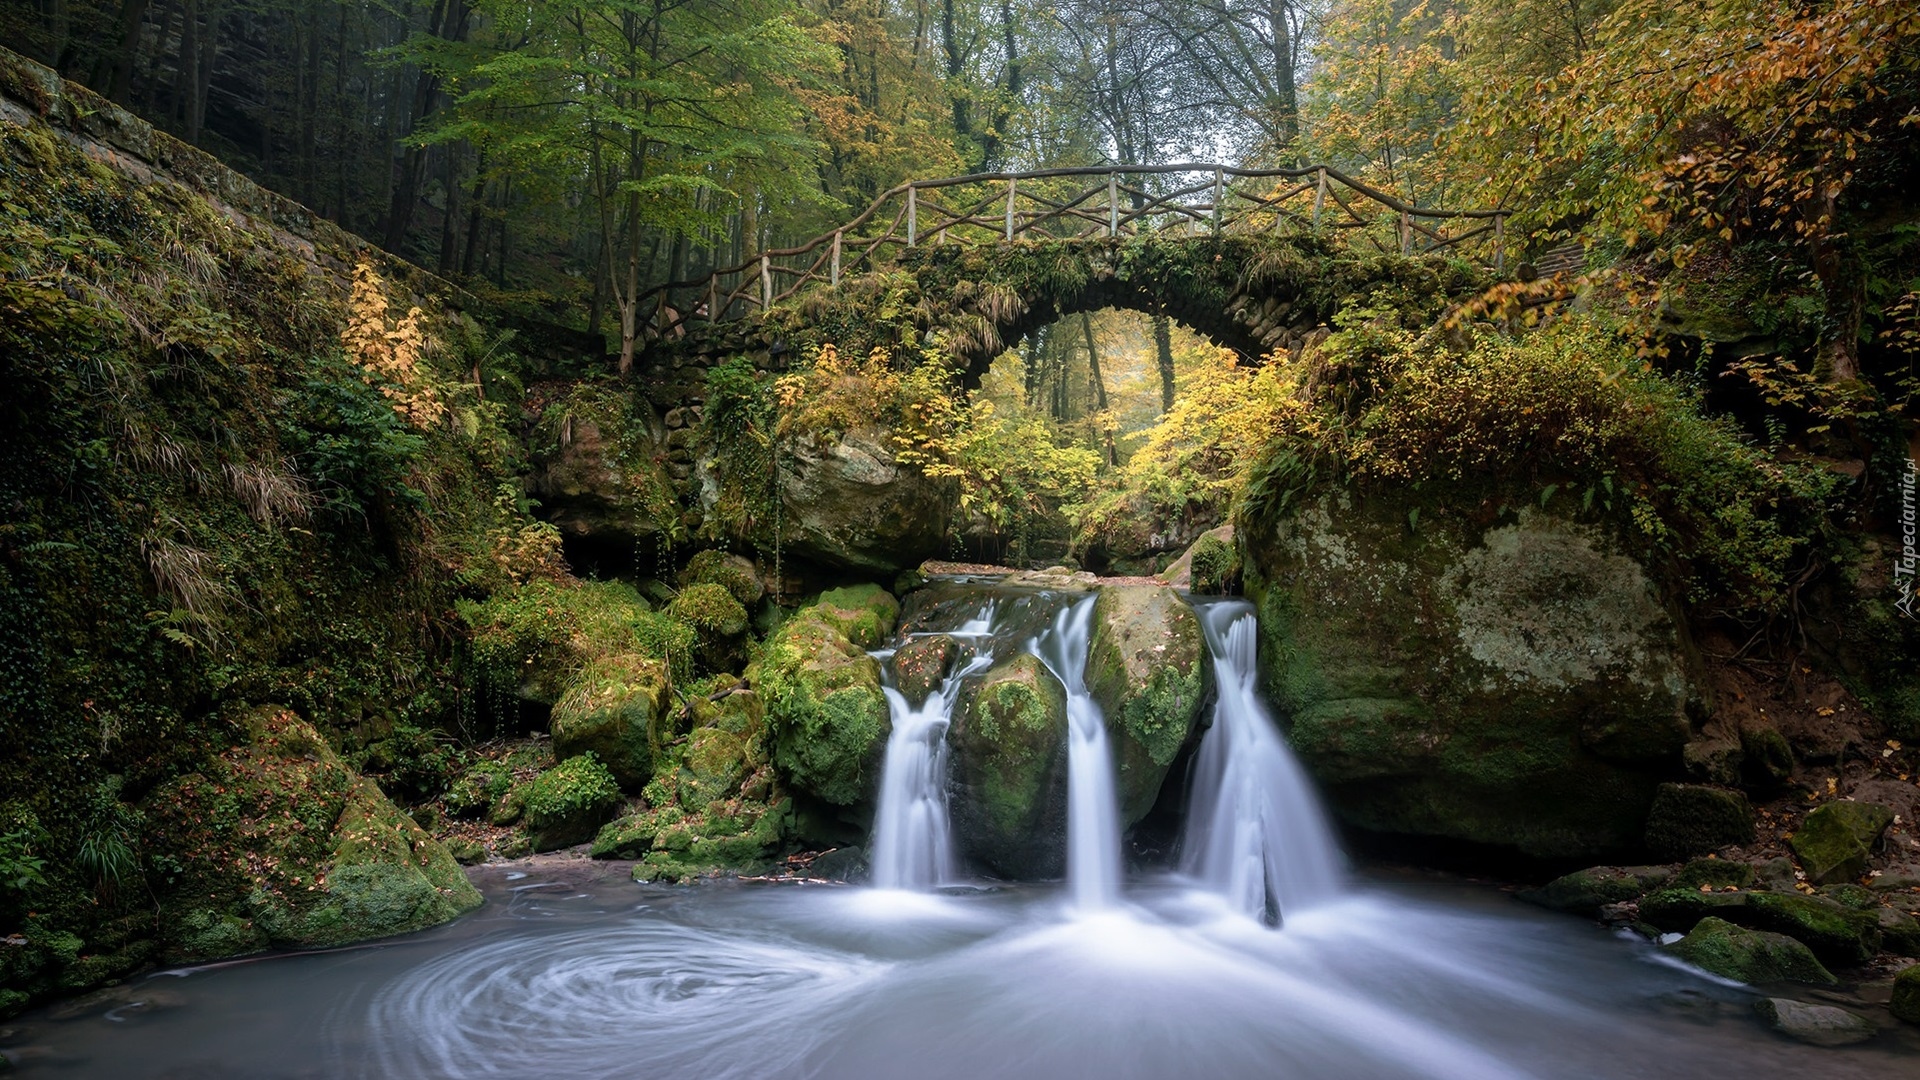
(1086, 203)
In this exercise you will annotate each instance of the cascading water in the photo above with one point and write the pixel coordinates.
(1093, 813)
(912, 836)
(1255, 831)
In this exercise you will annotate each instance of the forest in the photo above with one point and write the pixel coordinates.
(744, 441)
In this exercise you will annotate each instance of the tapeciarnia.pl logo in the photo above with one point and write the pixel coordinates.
(1903, 564)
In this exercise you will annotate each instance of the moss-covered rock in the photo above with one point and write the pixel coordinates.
(735, 573)
(537, 637)
(477, 789)
(1906, 995)
(735, 836)
(1837, 839)
(825, 708)
(568, 803)
(318, 853)
(1585, 892)
(1748, 956)
(615, 709)
(600, 469)
(718, 621)
(921, 665)
(1211, 565)
(1509, 678)
(1834, 933)
(627, 837)
(1689, 819)
(1713, 874)
(1147, 668)
(865, 614)
(1007, 770)
(1899, 932)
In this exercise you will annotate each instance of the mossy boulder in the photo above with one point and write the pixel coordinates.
(1834, 933)
(865, 614)
(1899, 932)
(314, 855)
(1210, 566)
(849, 504)
(629, 836)
(1689, 819)
(718, 621)
(1837, 839)
(1148, 669)
(1906, 995)
(1453, 667)
(600, 469)
(1585, 892)
(735, 836)
(1713, 874)
(616, 709)
(1748, 956)
(568, 803)
(824, 706)
(477, 789)
(535, 638)
(1008, 770)
(921, 665)
(735, 573)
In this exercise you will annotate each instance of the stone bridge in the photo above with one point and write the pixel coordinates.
(1255, 260)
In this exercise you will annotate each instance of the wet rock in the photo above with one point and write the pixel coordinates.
(1713, 874)
(1147, 667)
(824, 706)
(615, 708)
(1820, 1025)
(467, 852)
(1586, 892)
(1748, 956)
(1835, 934)
(922, 664)
(1906, 995)
(1511, 680)
(1219, 564)
(1008, 770)
(1836, 840)
(848, 864)
(1688, 819)
(601, 475)
(1776, 874)
(1899, 932)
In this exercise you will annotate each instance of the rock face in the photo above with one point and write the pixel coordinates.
(602, 476)
(1147, 668)
(852, 506)
(1008, 770)
(338, 862)
(615, 708)
(824, 705)
(1836, 840)
(1505, 678)
(1821, 1025)
(1748, 956)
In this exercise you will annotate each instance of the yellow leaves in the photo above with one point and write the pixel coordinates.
(390, 350)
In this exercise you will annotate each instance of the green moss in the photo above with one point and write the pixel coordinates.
(1585, 892)
(1749, 956)
(729, 571)
(1836, 935)
(710, 609)
(1906, 995)
(616, 708)
(1836, 840)
(825, 707)
(1147, 667)
(863, 614)
(1688, 819)
(568, 803)
(206, 934)
(1215, 567)
(476, 790)
(1008, 741)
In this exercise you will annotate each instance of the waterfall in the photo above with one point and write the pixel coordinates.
(1255, 831)
(1093, 812)
(912, 836)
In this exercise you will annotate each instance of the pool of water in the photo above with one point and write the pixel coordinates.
(574, 972)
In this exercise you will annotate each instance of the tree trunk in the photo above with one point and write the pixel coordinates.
(1099, 384)
(1163, 350)
(131, 14)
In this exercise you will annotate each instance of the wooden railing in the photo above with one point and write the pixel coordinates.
(1084, 203)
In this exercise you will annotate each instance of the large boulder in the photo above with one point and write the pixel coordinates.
(1008, 770)
(1147, 667)
(600, 469)
(1821, 1025)
(921, 666)
(1748, 956)
(1509, 678)
(286, 845)
(1691, 819)
(849, 504)
(568, 803)
(1835, 934)
(1836, 840)
(615, 708)
(1585, 892)
(824, 706)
